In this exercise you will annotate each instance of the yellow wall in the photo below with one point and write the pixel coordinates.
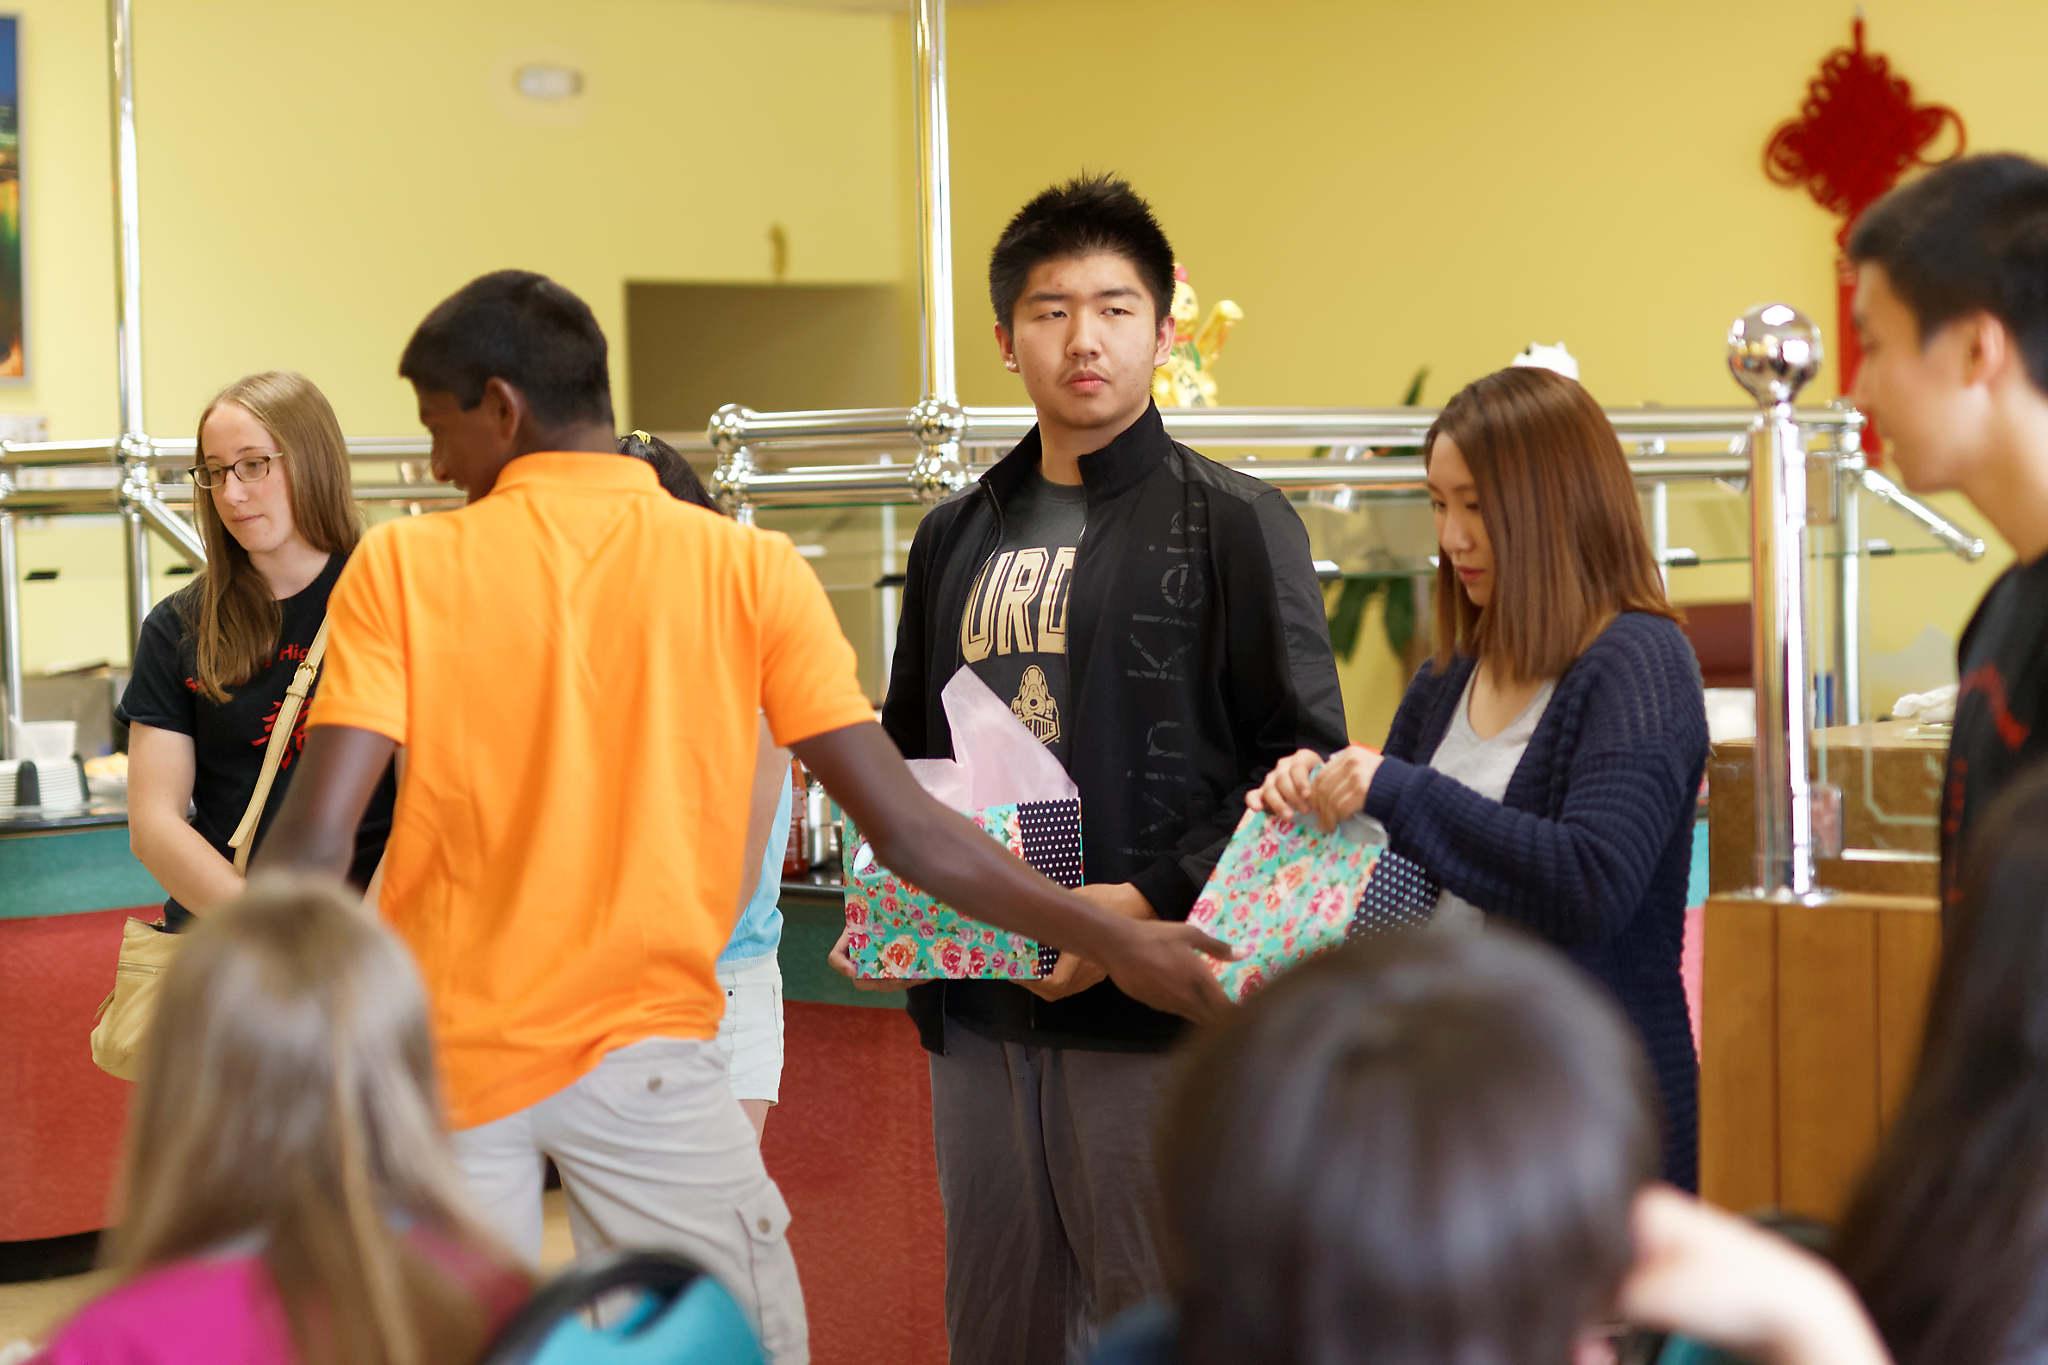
(1379, 185)
(316, 176)
(1386, 185)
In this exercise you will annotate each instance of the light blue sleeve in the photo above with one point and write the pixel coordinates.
(759, 931)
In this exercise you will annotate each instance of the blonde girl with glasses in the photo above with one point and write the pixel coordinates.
(278, 518)
(288, 1191)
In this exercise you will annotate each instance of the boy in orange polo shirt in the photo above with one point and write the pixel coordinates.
(574, 665)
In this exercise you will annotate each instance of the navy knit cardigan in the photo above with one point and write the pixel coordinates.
(1591, 846)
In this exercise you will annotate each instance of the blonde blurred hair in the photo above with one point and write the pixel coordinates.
(288, 1097)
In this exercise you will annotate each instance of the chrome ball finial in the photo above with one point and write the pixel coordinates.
(937, 474)
(730, 478)
(1774, 351)
(727, 431)
(937, 422)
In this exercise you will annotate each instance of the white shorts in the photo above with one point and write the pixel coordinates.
(750, 1035)
(653, 1153)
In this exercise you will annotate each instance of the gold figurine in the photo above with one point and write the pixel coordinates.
(1185, 380)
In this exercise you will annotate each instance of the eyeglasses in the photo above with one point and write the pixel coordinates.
(250, 469)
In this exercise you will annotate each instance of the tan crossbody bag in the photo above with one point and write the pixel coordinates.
(123, 1018)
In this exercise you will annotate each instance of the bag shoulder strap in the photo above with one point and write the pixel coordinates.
(244, 840)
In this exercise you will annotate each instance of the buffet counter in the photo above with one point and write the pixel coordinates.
(67, 882)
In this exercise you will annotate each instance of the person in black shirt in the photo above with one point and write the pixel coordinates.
(278, 518)
(1154, 619)
(1952, 312)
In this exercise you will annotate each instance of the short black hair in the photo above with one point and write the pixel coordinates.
(1970, 236)
(522, 328)
(671, 470)
(1087, 214)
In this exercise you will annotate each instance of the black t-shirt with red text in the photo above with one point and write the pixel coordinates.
(229, 738)
(2001, 708)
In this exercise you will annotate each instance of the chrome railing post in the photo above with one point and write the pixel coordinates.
(1773, 351)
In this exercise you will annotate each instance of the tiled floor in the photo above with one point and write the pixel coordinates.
(30, 1310)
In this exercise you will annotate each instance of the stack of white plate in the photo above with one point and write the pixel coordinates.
(62, 785)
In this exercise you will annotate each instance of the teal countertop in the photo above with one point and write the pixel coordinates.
(84, 866)
(72, 870)
(82, 870)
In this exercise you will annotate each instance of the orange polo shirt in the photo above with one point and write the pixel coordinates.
(574, 665)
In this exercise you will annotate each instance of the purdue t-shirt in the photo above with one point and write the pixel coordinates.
(229, 738)
(1014, 633)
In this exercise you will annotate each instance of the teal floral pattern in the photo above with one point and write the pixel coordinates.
(895, 931)
(1284, 892)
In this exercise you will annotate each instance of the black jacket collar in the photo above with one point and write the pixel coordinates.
(1107, 472)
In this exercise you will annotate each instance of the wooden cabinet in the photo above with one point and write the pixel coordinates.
(1810, 1029)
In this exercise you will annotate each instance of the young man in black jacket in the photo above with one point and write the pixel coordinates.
(1952, 309)
(1155, 620)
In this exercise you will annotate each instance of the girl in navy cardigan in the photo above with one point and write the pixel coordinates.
(1545, 767)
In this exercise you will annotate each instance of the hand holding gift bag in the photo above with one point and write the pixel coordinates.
(1004, 780)
(1400, 894)
(1283, 891)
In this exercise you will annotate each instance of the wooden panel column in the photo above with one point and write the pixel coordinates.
(1810, 1028)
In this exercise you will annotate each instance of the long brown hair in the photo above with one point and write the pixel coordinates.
(1946, 1240)
(233, 614)
(1559, 506)
(288, 1096)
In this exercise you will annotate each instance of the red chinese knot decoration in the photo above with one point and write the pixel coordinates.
(1857, 132)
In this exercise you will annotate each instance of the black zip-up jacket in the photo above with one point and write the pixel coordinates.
(1198, 656)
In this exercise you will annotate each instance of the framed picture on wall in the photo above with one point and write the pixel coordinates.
(13, 352)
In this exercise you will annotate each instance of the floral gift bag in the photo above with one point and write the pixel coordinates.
(1003, 779)
(1284, 891)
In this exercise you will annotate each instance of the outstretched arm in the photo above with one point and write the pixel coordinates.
(315, 830)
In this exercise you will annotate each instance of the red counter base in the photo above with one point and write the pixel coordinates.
(60, 1137)
(851, 1147)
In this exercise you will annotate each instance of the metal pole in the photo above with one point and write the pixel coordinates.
(1773, 351)
(860, 428)
(1660, 529)
(937, 420)
(1959, 542)
(140, 600)
(1849, 610)
(934, 204)
(136, 484)
(174, 528)
(127, 224)
(889, 597)
(10, 628)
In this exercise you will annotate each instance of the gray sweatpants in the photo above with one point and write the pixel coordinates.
(1045, 1170)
